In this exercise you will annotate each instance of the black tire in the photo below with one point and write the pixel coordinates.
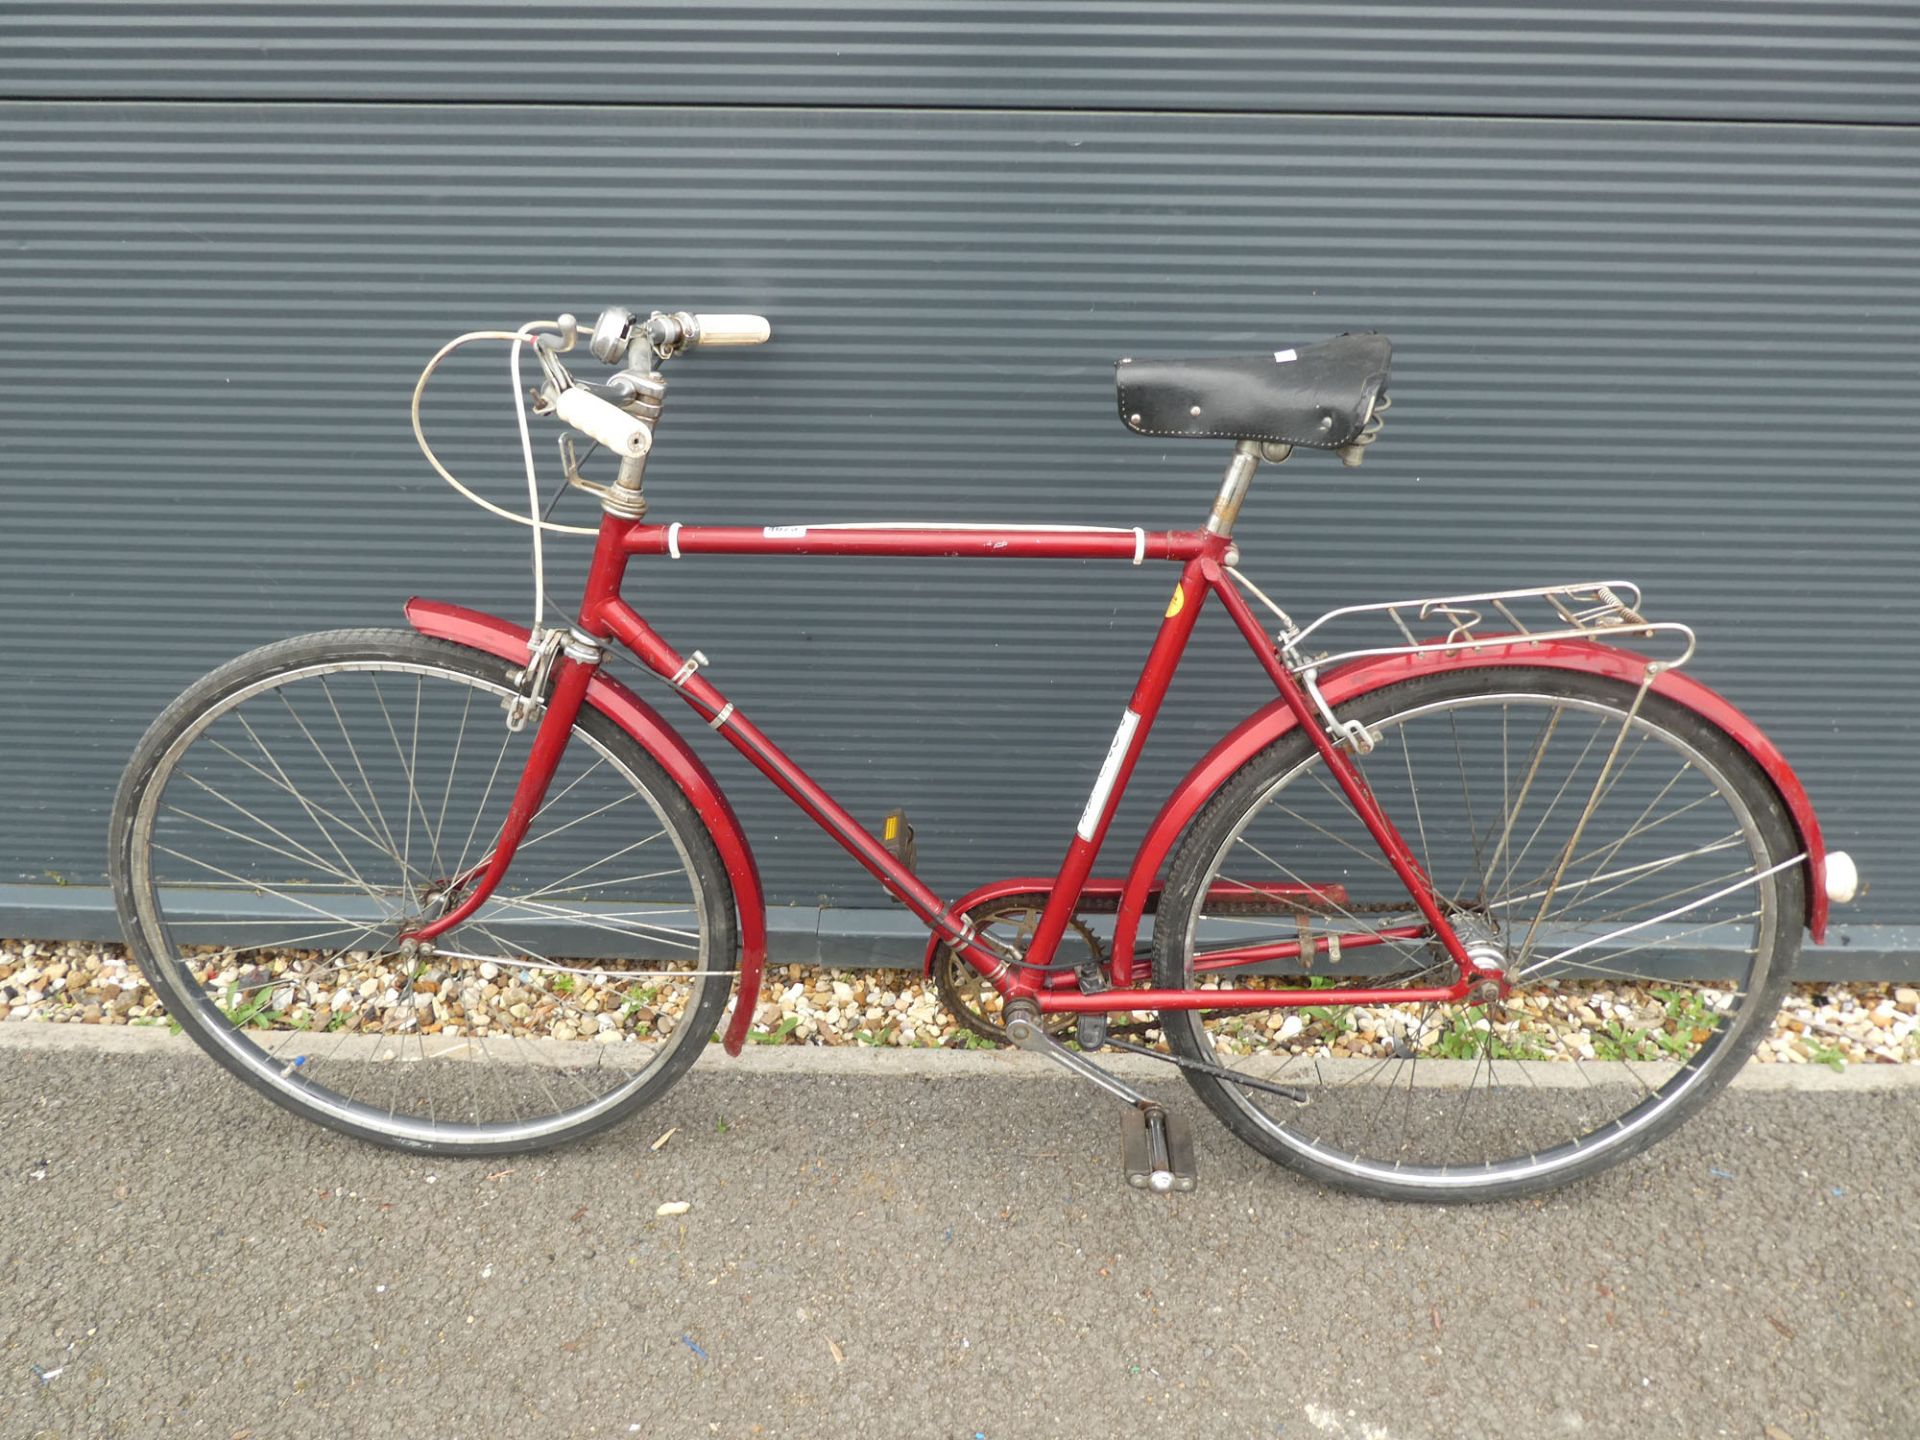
(1730, 1033)
(242, 1046)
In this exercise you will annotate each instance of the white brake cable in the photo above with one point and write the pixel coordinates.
(517, 339)
(533, 486)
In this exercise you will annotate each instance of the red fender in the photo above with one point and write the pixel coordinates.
(1357, 677)
(479, 631)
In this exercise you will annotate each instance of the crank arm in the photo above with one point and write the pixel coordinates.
(1027, 1033)
(1219, 1072)
(1156, 1146)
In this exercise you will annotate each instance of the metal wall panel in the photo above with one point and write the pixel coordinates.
(1730, 59)
(1678, 352)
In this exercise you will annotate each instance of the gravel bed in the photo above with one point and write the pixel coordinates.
(75, 983)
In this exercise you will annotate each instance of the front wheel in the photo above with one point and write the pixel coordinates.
(294, 812)
(1627, 862)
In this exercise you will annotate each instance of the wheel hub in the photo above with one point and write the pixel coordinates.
(1488, 956)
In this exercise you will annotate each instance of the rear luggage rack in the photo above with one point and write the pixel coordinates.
(1605, 610)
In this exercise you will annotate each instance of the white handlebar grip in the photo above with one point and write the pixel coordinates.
(604, 421)
(732, 329)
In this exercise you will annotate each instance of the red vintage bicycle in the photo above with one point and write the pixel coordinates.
(1489, 897)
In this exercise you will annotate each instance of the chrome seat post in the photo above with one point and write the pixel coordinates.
(1247, 455)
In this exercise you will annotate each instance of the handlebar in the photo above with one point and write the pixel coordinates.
(618, 329)
(682, 331)
(618, 415)
(607, 413)
(731, 330)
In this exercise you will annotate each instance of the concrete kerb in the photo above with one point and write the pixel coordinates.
(924, 1064)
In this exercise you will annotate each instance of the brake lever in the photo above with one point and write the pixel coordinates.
(569, 329)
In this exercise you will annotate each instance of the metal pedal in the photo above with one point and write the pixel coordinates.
(897, 835)
(1157, 1148)
(1157, 1151)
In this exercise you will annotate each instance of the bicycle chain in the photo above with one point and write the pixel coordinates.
(979, 1024)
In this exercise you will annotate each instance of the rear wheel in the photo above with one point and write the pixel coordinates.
(1628, 864)
(294, 812)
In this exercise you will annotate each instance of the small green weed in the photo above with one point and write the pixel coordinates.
(243, 1015)
(1831, 1056)
(776, 1035)
(1613, 1041)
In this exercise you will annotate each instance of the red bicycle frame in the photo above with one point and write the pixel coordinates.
(604, 616)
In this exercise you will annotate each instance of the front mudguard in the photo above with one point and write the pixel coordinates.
(1357, 677)
(479, 631)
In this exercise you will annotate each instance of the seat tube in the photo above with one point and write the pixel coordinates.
(1183, 609)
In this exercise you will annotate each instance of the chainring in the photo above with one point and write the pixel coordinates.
(963, 990)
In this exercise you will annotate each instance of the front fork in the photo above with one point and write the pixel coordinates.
(580, 656)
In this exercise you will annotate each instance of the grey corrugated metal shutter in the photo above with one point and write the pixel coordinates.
(1675, 349)
(1731, 59)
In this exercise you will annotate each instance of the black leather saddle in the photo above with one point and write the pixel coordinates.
(1327, 396)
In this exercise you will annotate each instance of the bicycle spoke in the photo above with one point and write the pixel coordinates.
(1419, 820)
(1398, 946)
(327, 761)
(1628, 875)
(373, 799)
(1512, 807)
(296, 857)
(681, 939)
(460, 866)
(346, 871)
(313, 809)
(453, 769)
(560, 887)
(1552, 805)
(1466, 798)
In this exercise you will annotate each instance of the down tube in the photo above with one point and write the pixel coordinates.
(1183, 609)
(790, 779)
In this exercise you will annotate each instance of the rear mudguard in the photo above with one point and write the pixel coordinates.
(653, 734)
(1356, 678)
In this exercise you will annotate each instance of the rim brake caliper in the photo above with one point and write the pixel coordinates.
(532, 679)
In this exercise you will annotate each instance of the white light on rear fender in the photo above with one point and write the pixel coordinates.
(1843, 877)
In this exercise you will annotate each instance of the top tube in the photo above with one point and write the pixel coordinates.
(958, 541)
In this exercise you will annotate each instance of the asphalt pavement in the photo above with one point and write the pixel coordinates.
(887, 1245)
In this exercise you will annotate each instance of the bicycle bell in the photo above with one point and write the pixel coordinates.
(611, 332)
